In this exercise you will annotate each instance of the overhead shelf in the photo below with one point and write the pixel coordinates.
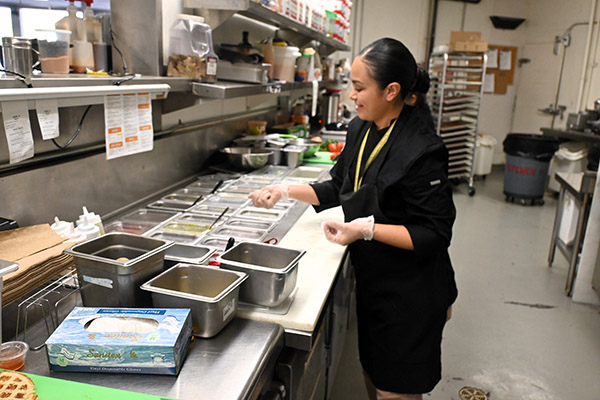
(69, 96)
(80, 89)
(265, 14)
(226, 89)
(77, 80)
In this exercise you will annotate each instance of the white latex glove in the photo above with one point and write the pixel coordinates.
(346, 233)
(269, 195)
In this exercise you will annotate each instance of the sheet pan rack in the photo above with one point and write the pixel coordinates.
(455, 102)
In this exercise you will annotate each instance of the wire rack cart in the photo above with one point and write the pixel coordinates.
(455, 100)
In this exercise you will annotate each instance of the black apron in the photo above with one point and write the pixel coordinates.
(401, 301)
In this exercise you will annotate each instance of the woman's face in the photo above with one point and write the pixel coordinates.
(369, 99)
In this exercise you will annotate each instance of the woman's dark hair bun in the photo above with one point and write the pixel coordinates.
(421, 84)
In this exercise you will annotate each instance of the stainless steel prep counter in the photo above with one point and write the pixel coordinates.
(235, 364)
(240, 362)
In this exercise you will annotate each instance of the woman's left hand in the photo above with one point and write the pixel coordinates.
(346, 233)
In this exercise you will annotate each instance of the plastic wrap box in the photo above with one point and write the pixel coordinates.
(124, 340)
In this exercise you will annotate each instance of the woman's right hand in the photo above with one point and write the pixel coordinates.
(268, 196)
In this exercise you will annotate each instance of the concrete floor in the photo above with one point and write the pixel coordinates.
(514, 334)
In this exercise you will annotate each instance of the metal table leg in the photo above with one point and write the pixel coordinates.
(557, 219)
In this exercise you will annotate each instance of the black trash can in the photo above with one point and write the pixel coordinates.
(527, 162)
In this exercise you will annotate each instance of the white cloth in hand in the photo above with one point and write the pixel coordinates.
(346, 233)
(268, 196)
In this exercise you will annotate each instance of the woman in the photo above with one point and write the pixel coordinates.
(392, 184)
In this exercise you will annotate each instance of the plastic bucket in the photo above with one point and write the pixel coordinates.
(527, 163)
(284, 62)
(570, 158)
(484, 154)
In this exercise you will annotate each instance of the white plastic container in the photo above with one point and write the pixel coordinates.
(568, 221)
(284, 63)
(570, 158)
(484, 154)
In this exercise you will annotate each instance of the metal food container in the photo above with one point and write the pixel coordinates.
(211, 209)
(177, 237)
(249, 224)
(211, 293)
(272, 271)
(217, 242)
(293, 155)
(262, 214)
(185, 253)
(247, 158)
(310, 146)
(268, 173)
(111, 268)
(139, 221)
(169, 205)
(304, 172)
(240, 233)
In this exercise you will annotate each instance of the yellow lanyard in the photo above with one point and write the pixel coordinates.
(358, 179)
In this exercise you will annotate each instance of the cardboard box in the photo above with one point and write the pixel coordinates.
(467, 41)
(130, 340)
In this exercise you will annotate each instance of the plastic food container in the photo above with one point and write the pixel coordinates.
(211, 293)
(257, 127)
(12, 355)
(284, 63)
(54, 50)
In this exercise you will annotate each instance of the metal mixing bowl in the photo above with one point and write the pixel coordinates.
(310, 147)
(247, 158)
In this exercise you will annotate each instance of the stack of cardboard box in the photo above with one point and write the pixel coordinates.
(467, 41)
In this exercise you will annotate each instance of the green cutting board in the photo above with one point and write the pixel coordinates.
(320, 157)
(59, 389)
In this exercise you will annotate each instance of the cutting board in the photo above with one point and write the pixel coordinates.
(320, 157)
(59, 389)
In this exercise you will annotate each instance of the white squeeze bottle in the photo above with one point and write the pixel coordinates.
(92, 218)
(90, 230)
(70, 23)
(62, 228)
(74, 235)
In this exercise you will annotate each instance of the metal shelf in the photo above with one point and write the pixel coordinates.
(226, 89)
(74, 80)
(70, 96)
(265, 14)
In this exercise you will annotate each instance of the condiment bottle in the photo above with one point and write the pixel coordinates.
(90, 230)
(92, 217)
(75, 235)
(61, 227)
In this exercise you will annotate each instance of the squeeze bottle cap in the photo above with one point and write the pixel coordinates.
(89, 230)
(61, 227)
(92, 217)
(75, 236)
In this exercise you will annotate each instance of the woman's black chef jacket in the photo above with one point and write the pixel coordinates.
(402, 295)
